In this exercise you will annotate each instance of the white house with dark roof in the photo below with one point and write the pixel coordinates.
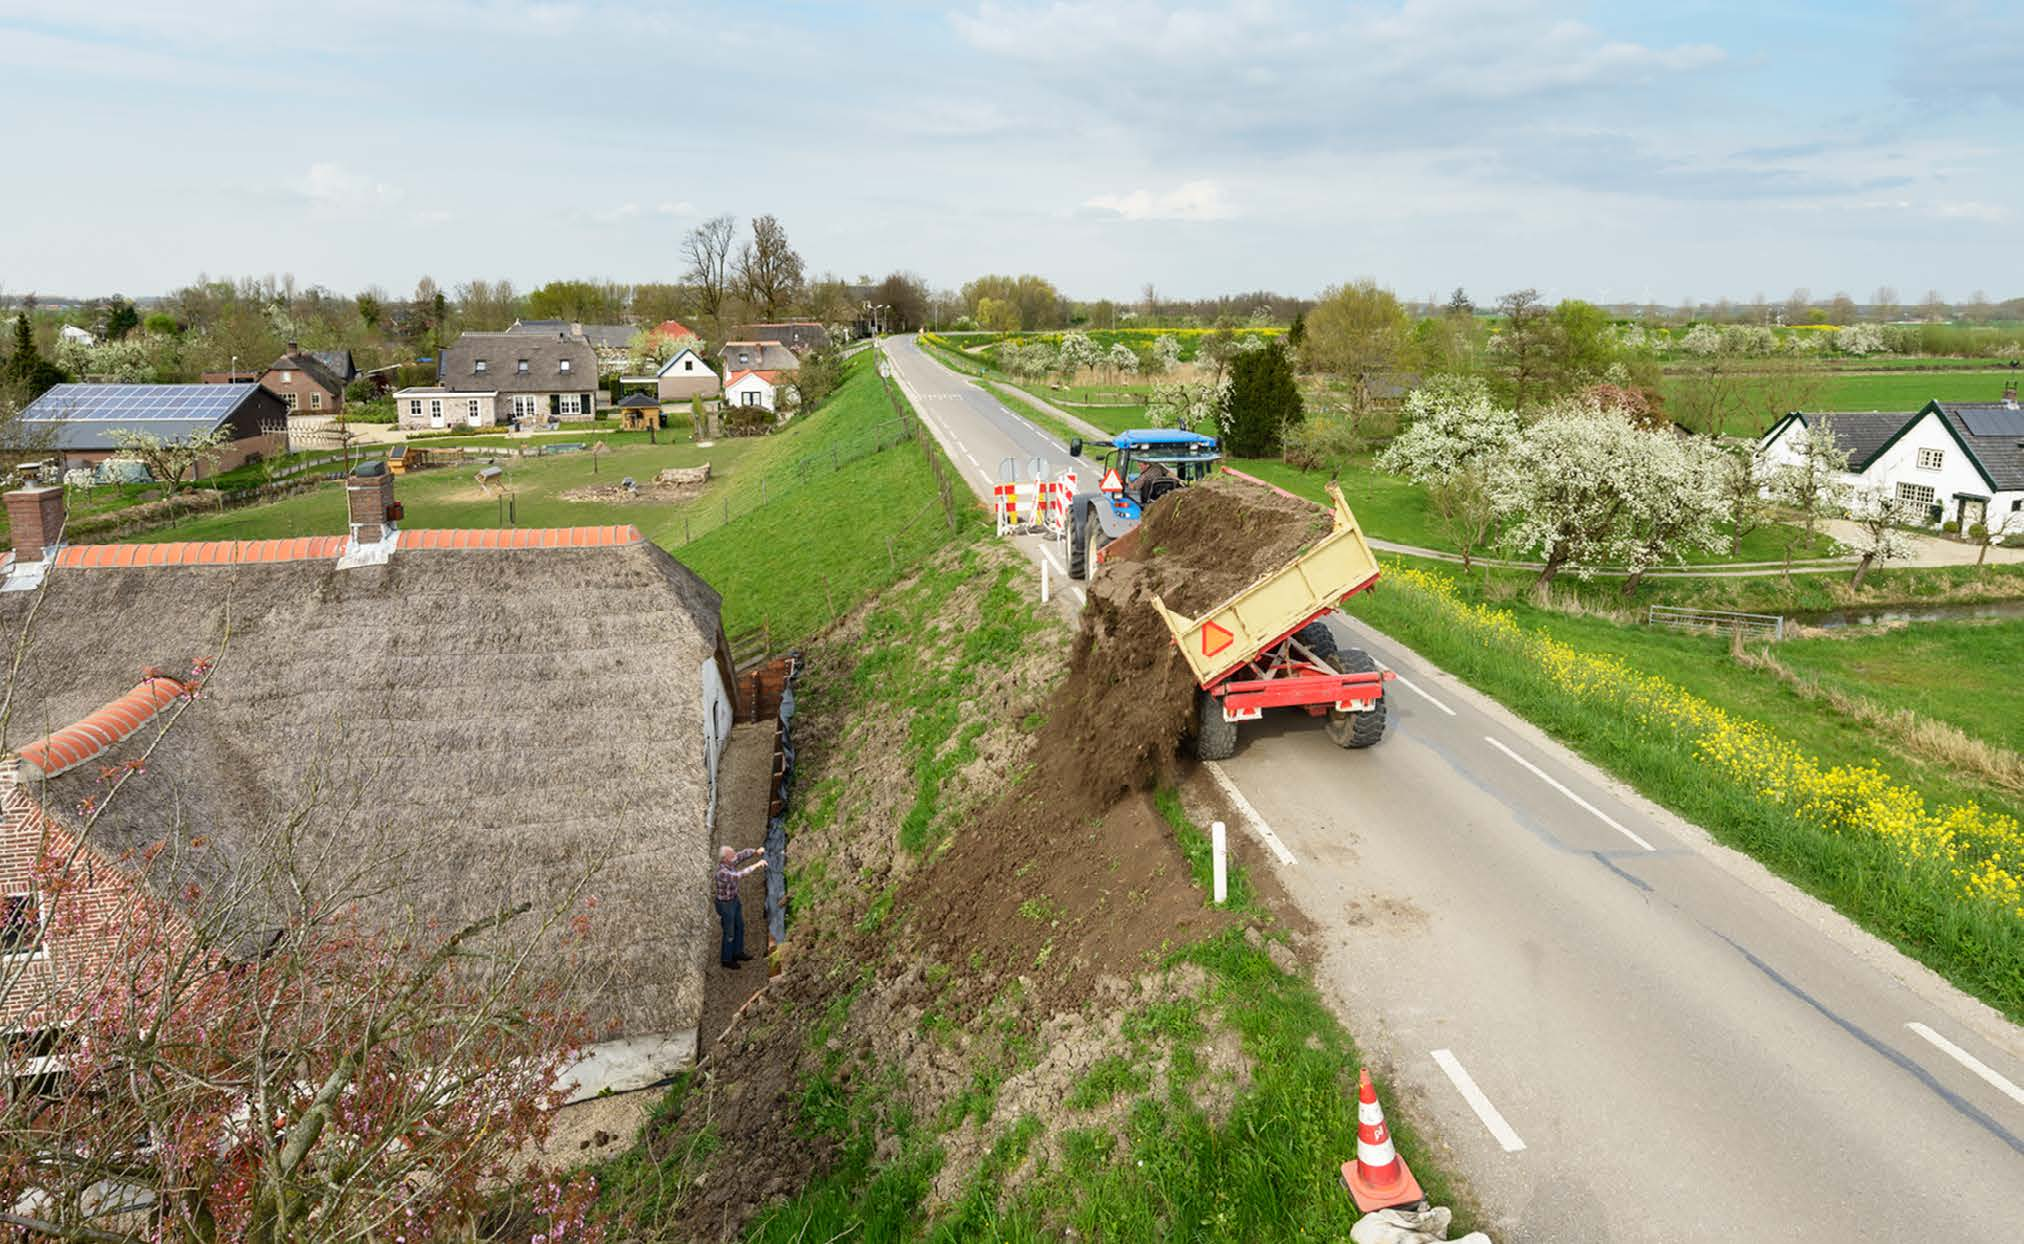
(1959, 462)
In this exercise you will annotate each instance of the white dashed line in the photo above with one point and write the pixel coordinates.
(1249, 813)
(1466, 1086)
(1976, 1065)
(1415, 688)
(1548, 778)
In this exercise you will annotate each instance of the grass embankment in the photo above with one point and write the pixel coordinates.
(1916, 851)
(1396, 509)
(927, 1086)
(1018, 403)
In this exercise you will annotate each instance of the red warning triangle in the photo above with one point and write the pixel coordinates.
(1214, 639)
(1111, 482)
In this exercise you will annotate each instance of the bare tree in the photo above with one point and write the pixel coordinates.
(708, 250)
(769, 268)
(1525, 346)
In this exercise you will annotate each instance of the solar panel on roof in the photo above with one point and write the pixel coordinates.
(1994, 422)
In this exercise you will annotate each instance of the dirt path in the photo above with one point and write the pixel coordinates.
(741, 822)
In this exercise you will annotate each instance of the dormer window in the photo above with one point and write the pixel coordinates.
(565, 364)
(478, 366)
(521, 367)
(743, 358)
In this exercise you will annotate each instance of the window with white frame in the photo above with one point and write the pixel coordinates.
(20, 925)
(289, 400)
(316, 401)
(288, 377)
(471, 409)
(523, 405)
(565, 365)
(1932, 459)
(415, 408)
(569, 404)
(436, 409)
(1917, 494)
(478, 366)
(749, 397)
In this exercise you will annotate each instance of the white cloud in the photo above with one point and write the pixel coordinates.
(677, 209)
(1192, 200)
(335, 188)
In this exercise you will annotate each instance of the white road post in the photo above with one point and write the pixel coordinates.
(1219, 859)
(1043, 578)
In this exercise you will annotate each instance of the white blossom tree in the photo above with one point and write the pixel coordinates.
(169, 461)
(1165, 355)
(1452, 425)
(1860, 340)
(1078, 352)
(1880, 516)
(1677, 502)
(1702, 340)
(1189, 404)
(1811, 485)
(1568, 487)
(1122, 360)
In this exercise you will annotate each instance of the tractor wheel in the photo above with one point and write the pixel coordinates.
(1215, 739)
(1078, 549)
(1317, 639)
(1356, 730)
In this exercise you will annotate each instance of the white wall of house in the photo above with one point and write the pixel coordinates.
(686, 375)
(446, 408)
(751, 389)
(1926, 466)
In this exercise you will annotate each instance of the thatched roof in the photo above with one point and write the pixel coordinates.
(511, 718)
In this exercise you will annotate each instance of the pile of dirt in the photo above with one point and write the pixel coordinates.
(1116, 723)
(618, 494)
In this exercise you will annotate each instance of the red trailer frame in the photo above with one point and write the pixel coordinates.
(1285, 674)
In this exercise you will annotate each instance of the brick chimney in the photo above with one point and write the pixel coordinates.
(369, 494)
(36, 517)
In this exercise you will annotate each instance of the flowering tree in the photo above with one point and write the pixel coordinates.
(1678, 501)
(1165, 356)
(1880, 516)
(1452, 425)
(1078, 352)
(1860, 340)
(1811, 485)
(1701, 340)
(1189, 404)
(1122, 359)
(170, 460)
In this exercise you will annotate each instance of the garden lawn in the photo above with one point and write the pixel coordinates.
(1919, 908)
(1968, 674)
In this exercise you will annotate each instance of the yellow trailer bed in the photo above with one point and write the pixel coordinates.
(1231, 635)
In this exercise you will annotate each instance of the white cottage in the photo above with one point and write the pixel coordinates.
(753, 388)
(1959, 462)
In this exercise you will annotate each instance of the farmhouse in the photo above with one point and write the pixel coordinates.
(305, 382)
(502, 715)
(84, 423)
(1958, 462)
(611, 343)
(537, 376)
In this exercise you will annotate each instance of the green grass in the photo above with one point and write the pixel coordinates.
(1964, 673)
(1919, 911)
(1905, 391)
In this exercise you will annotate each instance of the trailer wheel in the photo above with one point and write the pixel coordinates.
(1317, 639)
(1356, 730)
(1078, 549)
(1215, 739)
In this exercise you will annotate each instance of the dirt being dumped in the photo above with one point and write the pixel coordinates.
(1116, 723)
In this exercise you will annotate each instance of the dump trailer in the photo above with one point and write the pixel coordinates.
(1269, 646)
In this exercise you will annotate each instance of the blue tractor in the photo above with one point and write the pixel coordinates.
(1150, 463)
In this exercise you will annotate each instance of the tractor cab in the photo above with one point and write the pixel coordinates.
(1150, 463)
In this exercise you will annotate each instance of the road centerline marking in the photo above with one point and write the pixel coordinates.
(1416, 689)
(1995, 1078)
(1556, 784)
(1465, 1084)
(1249, 814)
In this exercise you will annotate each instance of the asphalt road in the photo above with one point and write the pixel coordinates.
(1621, 1030)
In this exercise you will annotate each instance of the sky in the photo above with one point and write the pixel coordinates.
(1619, 153)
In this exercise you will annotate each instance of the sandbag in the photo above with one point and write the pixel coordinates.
(1410, 1226)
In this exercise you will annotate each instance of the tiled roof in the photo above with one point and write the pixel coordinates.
(329, 548)
(1862, 434)
(2001, 455)
(770, 377)
(72, 746)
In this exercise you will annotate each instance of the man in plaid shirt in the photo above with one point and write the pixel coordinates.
(730, 911)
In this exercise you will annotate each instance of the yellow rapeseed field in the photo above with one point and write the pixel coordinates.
(1983, 851)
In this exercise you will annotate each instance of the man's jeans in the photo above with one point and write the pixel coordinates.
(731, 912)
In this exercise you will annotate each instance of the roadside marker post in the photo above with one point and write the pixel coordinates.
(1043, 580)
(1219, 856)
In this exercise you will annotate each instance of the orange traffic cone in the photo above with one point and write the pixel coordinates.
(1378, 1179)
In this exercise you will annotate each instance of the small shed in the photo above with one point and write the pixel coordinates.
(639, 412)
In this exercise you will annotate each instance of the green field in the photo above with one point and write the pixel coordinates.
(1964, 673)
(1905, 391)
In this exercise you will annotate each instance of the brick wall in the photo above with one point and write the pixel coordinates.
(91, 907)
(307, 392)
